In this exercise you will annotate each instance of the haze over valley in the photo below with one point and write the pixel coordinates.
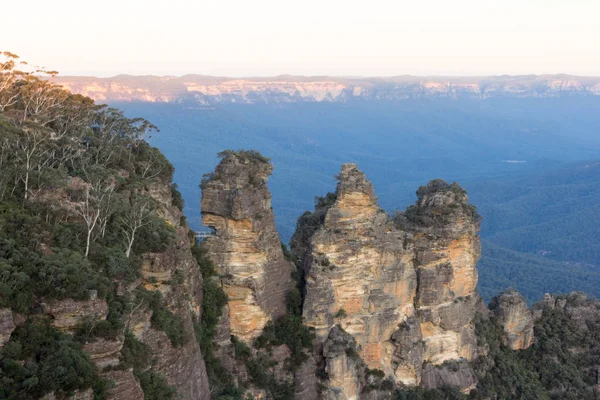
(512, 142)
(326, 200)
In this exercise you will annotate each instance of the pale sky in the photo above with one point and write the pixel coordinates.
(308, 37)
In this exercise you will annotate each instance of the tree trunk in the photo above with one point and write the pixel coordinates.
(128, 252)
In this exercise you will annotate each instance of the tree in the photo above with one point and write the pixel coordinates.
(139, 214)
(33, 151)
(95, 206)
(8, 77)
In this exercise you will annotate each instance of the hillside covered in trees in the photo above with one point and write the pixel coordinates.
(82, 199)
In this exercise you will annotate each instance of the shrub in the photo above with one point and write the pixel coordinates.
(39, 359)
(162, 318)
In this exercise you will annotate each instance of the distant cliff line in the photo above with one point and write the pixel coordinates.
(207, 90)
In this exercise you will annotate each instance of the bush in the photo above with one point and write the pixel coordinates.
(154, 386)
(39, 359)
(177, 197)
(163, 319)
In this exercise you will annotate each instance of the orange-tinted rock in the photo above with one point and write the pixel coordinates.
(246, 249)
(512, 313)
(403, 288)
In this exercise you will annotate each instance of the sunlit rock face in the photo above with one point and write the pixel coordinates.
(362, 274)
(447, 248)
(403, 288)
(512, 313)
(343, 366)
(246, 249)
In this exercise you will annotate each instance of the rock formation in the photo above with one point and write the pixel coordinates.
(512, 313)
(404, 289)
(252, 270)
(246, 249)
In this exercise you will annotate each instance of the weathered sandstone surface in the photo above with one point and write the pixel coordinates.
(402, 288)
(245, 249)
(512, 313)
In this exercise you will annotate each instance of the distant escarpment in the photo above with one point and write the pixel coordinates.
(207, 90)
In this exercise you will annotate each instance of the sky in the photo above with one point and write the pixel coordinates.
(308, 37)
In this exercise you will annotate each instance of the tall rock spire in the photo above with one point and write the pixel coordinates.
(246, 249)
(403, 288)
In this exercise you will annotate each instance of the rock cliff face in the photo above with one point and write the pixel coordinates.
(245, 249)
(181, 365)
(403, 289)
(512, 313)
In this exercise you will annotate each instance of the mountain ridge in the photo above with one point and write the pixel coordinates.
(209, 90)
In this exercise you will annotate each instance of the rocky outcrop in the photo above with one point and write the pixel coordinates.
(511, 312)
(361, 273)
(343, 366)
(577, 306)
(245, 249)
(444, 231)
(454, 373)
(124, 385)
(104, 353)
(68, 313)
(404, 289)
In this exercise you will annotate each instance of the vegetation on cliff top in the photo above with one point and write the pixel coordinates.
(76, 215)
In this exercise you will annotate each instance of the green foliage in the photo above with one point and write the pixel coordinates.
(240, 349)
(115, 263)
(309, 222)
(288, 330)
(76, 214)
(437, 216)
(136, 355)
(154, 385)
(286, 253)
(504, 373)
(213, 301)
(533, 275)
(259, 368)
(177, 197)
(446, 393)
(38, 359)
(154, 237)
(251, 155)
(109, 328)
(26, 273)
(162, 318)
(341, 313)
